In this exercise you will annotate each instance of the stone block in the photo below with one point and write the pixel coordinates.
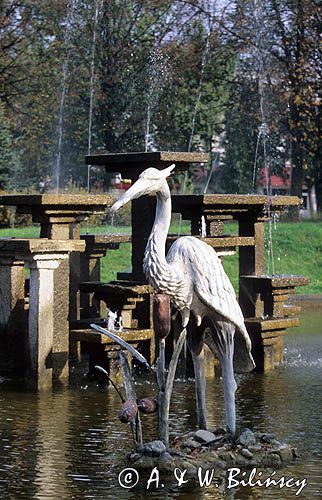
(204, 436)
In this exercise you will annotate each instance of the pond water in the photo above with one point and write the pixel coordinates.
(70, 444)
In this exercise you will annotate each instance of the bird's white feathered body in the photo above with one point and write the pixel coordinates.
(196, 281)
(193, 277)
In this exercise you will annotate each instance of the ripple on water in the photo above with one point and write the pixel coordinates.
(70, 444)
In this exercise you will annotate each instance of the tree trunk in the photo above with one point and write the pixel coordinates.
(318, 179)
(297, 160)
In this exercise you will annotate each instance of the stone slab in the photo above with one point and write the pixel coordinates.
(102, 242)
(153, 159)
(25, 246)
(130, 335)
(262, 283)
(106, 239)
(222, 241)
(63, 201)
(115, 289)
(263, 325)
(235, 206)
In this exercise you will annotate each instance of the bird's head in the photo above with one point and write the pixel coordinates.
(150, 181)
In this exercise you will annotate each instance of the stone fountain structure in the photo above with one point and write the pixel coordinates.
(44, 327)
(35, 313)
(263, 299)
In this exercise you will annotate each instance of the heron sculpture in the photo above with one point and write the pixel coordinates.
(193, 277)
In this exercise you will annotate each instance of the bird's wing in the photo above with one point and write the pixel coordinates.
(210, 283)
(203, 268)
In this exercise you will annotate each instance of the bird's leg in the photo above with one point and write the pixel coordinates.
(162, 410)
(165, 391)
(200, 387)
(195, 344)
(162, 325)
(222, 341)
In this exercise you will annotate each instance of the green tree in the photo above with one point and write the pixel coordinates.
(9, 162)
(298, 27)
(278, 50)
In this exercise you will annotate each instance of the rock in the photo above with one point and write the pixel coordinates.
(271, 460)
(154, 448)
(166, 457)
(144, 463)
(189, 466)
(267, 437)
(166, 462)
(208, 456)
(220, 431)
(246, 453)
(285, 453)
(194, 451)
(247, 438)
(175, 452)
(241, 461)
(134, 456)
(204, 436)
(227, 456)
(221, 464)
(259, 435)
(254, 448)
(187, 434)
(257, 459)
(191, 443)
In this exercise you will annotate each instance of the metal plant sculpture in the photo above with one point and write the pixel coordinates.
(193, 277)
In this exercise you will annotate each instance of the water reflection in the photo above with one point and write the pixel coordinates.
(71, 445)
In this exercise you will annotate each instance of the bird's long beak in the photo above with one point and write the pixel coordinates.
(139, 188)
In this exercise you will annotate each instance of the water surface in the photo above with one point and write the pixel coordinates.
(70, 444)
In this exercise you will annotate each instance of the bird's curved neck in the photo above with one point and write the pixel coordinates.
(155, 265)
(162, 218)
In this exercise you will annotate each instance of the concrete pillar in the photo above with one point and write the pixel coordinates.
(251, 262)
(114, 365)
(62, 303)
(196, 225)
(42, 318)
(13, 326)
(54, 229)
(142, 219)
(90, 271)
(12, 282)
(74, 293)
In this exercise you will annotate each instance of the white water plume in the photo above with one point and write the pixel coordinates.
(263, 134)
(196, 108)
(204, 59)
(202, 72)
(98, 8)
(158, 75)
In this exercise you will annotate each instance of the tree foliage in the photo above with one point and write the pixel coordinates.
(164, 75)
